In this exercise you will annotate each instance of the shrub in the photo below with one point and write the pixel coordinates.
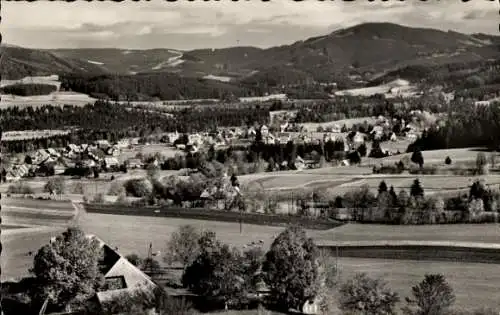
(427, 170)
(116, 189)
(20, 188)
(78, 189)
(431, 296)
(139, 187)
(99, 198)
(55, 186)
(364, 295)
(134, 259)
(447, 161)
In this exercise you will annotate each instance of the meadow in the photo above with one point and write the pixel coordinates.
(434, 156)
(132, 234)
(37, 222)
(54, 99)
(468, 279)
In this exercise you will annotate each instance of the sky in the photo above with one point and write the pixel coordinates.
(216, 24)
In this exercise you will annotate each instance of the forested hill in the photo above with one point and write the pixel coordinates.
(364, 52)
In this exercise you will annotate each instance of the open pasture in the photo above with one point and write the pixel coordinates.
(90, 186)
(31, 134)
(54, 99)
(30, 224)
(325, 179)
(434, 156)
(295, 181)
(36, 212)
(467, 279)
(133, 235)
(483, 233)
(428, 182)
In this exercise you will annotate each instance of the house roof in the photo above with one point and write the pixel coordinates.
(114, 265)
(111, 161)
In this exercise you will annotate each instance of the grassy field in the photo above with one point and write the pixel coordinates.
(90, 186)
(46, 219)
(435, 156)
(134, 234)
(485, 233)
(475, 285)
(467, 278)
(338, 181)
(54, 99)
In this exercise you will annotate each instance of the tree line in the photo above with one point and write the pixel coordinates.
(28, 89)
(466, 126)
(150, 86)
(112, 121)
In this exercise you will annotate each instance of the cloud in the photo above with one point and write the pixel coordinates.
(197, 24)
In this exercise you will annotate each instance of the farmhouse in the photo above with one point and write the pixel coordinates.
(121, 278)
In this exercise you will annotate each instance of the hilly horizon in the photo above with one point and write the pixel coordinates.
(372, 48)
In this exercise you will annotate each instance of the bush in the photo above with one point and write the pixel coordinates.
(139, 187)
(364, 295)
(55, 186)
(99, 198)
(78, 189)
(116, 189)
(20, 188)
(431, 296)
(427, 170)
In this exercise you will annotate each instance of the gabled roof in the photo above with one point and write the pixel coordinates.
(114, 265)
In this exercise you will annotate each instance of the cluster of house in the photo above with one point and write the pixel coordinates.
(226, 137)
(45, 162)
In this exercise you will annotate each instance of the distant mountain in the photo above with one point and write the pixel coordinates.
(370, 48)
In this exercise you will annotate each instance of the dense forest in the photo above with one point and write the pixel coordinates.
(467, 126)
(355, 107)
(107, 120)
(452, 76)
(153, 86)
(28, 89)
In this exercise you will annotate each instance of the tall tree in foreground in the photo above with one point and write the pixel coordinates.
(291, 269)
(67, 270)
(364, 295)
(183, 246)
(432, 296)
(217, 272)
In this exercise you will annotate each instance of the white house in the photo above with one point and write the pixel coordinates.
(264, 130)
(111, 162)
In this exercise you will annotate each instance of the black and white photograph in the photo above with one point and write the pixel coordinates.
(250, 157)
